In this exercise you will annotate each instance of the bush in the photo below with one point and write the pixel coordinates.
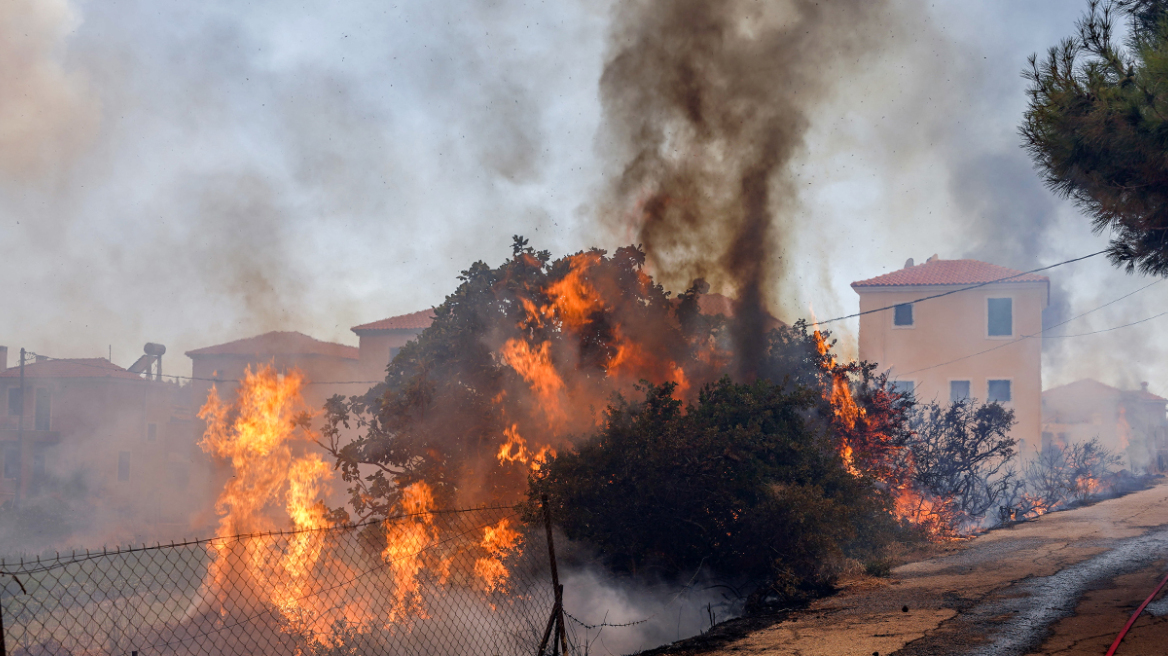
(742, 483)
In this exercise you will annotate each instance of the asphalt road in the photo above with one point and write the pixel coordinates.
(1064, 584)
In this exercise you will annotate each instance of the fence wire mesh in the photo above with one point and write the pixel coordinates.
(444, 582)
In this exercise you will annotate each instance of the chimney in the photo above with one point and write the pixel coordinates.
(908, 263)
(41, 358)
(1144, 385)
(3, 359)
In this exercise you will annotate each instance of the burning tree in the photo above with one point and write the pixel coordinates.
(518, 358)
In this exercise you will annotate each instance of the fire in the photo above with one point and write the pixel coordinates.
(498, 541)
(843, 404)
(406, 539)
(260, 435)
(515, 450)
(535, 366)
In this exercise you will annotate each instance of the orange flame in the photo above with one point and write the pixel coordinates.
(256, 434)
(535, 366)
(498, 541)
(406, 540)
(515, 450)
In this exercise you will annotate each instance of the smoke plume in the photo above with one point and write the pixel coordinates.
(46, 113)
(706, 107)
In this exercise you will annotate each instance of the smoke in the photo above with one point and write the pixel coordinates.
(640, 616)
(706, 107)
(47, 113)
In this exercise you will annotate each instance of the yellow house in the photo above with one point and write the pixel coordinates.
(983, 343)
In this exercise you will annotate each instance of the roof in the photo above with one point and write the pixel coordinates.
(72, 368)
(420, 320)
(1093, 389)
(278, 343)
(950, 272)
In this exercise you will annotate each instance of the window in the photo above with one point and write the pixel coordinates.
(43, 398)
(11, 460)
(151, 432)
(902, 315)
(123, 465)
(393, 351)
(999, 390)
(958, 390)
(903, 387)
(1001, 316)
(14, 400)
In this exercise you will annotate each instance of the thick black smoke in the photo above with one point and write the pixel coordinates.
(706, 106)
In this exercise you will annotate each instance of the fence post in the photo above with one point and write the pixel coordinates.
(3, 636)
(556, 621)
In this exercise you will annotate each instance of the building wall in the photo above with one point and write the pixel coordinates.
(378, 348)
(93, 425)
(945, 330)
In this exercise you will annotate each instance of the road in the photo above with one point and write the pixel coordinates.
(1064, 584)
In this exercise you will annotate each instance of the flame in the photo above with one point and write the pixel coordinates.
(515, 450)
(257, 434)
(535, 366)
(843, 404)
(406, 540)
(498, 541)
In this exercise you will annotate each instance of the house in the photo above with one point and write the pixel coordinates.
(87, 428)
(380, 341)
(330, 368)
(982, 343)
(1130, 423)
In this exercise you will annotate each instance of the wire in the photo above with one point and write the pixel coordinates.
(1107, 330)
(1061, 323)
(107, 368)
(963, 289)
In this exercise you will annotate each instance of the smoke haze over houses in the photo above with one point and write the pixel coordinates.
(192, 174)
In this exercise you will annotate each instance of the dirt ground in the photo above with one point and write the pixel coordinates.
(1064, 584)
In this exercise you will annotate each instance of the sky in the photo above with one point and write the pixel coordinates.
(193, 173)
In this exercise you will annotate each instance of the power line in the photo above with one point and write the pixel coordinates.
(107, 368)
(1107, 330)
(963, 289)
(1061, 323)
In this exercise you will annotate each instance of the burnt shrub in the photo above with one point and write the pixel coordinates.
(959, 460)
(744, 482)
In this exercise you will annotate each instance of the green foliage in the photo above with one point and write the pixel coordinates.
(1097, 127)
(743, 482)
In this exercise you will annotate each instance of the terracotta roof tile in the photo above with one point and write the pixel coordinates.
(72, 368)
(949, 272)
(278, 343)
(420, 320)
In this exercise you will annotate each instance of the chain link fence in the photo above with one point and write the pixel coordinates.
(446, 582)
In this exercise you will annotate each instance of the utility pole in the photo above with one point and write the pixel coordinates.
(20, 435)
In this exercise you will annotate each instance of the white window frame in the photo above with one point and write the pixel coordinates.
(892, 317)
(1013, 319)
(1006, 378)
(962, 380)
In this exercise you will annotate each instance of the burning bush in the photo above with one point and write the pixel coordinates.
(958, 460)
(743, 482)
(1061, 477)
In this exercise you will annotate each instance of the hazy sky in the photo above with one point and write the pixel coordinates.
(191, 173)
